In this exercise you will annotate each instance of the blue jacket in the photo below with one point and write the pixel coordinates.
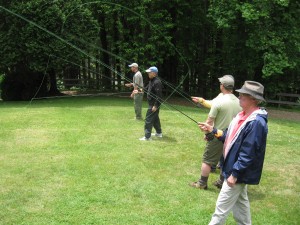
(246, 155)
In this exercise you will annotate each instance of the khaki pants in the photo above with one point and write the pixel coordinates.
(235, 199)
(138, 102)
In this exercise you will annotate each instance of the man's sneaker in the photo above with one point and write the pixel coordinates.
(145, 139)
(157, 135)
(218, 183)
(198, 185)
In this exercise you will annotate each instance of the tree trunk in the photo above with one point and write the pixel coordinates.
(53, 85)
(98, 82)
(105, 57)
(84, 72)
(116, 38)
(89, 78)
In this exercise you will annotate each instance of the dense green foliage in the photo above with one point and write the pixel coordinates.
(192, 43)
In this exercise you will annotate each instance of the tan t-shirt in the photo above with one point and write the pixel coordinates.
(138, 80)
(224, 108)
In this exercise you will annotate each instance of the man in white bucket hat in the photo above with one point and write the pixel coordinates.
(243, 154)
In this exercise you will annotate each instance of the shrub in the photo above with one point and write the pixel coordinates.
(23, 86)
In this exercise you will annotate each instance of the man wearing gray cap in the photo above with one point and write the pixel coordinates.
(223, 109)
(137, 93)
(243, 154)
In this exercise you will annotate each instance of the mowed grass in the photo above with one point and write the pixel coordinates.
(79, 161)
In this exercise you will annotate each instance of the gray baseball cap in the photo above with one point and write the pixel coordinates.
(134, 65)
(227, 81)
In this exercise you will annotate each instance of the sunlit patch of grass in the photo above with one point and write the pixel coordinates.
(79, 161)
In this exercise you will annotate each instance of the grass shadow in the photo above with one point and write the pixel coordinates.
(165, 138)
(255, 195)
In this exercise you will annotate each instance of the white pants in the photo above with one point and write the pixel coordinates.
(235, 199)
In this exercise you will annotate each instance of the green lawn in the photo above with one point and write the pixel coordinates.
(79, 161)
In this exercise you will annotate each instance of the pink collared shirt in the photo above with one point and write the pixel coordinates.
(238, 121)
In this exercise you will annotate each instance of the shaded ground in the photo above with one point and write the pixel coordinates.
(273, 113)
(282, 114)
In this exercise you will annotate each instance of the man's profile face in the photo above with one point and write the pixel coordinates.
(151, 75)
(246, 100)
(133, 69)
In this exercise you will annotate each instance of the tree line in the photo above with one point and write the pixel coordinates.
(44, 44)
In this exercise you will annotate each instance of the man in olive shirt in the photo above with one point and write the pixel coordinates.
(223, 109)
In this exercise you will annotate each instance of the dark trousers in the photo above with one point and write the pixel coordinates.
(152, 120)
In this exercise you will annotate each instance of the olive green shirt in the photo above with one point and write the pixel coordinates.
(224, 108)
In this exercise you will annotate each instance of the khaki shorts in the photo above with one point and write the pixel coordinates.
(213, 151)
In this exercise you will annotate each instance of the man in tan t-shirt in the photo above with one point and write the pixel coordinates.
(223, 109)
(137, 93)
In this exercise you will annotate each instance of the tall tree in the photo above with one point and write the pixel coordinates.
(33, 32)
(192, 42)
(268, 33)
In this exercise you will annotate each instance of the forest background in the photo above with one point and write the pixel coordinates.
(48, 46)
